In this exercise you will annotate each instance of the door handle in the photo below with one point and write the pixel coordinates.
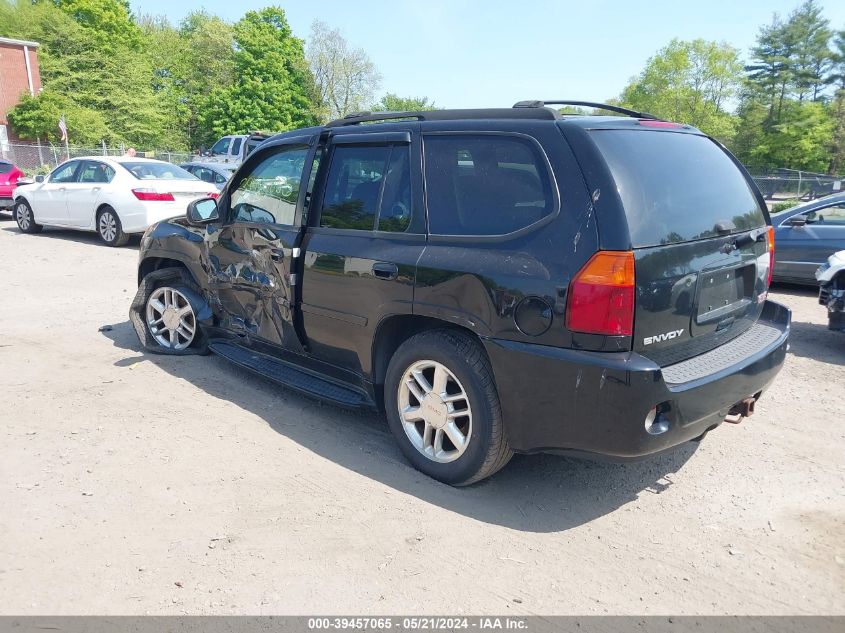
(61, 189)
(95, 188)
(385, 270)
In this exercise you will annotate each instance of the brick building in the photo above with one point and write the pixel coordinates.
(19, 74)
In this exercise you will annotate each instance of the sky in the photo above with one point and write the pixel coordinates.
(468, 53)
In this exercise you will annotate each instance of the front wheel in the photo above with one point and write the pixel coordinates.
(166, 313)
(25, 218)
(110, 229)
(443, 407)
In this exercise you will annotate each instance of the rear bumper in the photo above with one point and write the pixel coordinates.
(561, 399)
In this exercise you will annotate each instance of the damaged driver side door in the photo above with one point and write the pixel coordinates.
(251, 254)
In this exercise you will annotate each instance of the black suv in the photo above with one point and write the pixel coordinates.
(496, 281)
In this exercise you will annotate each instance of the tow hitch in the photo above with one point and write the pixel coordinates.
(742, 409)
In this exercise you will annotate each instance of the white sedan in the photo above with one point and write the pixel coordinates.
(113, 196)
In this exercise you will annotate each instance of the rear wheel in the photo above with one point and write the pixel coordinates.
(110, 229)
(25, 218)
(443, 408)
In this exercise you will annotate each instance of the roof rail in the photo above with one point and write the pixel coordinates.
(353, 118)
(587, 104)
(447, 115)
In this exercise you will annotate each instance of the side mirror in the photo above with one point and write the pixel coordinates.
(202, 211)
(25, 181)
(797, 220)
(40, 178)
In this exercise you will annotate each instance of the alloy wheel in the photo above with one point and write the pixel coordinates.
(108, 226)
(171, 318)
(24, 219)
(435, 411)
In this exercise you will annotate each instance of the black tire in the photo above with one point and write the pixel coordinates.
(488, 449)
(109, 227)
(24, 217)
(180, 280)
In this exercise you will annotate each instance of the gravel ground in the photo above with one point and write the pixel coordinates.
(134, 484)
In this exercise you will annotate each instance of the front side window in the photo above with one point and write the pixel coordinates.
(269, 193)
(204, 174)
(65, 173)
(832, 216)
(485, 184)
(367, 188)
(94, 172)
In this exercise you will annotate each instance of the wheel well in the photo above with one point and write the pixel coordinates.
(100, 208)
(151, 264)
(394, 331)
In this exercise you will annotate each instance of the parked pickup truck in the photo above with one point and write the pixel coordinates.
(234, 149)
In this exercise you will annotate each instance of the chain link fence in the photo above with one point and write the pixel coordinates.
(788, 184)
(41, 158)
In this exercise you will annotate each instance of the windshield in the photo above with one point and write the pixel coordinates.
(157, 171)
(677, 187)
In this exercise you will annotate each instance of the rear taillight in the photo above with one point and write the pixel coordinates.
(214, 194)
(770, 243)
(152, 194)
(601, 296)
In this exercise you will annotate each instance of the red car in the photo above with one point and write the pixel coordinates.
(9, 176)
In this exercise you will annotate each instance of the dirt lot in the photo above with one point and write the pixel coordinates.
(133, 484)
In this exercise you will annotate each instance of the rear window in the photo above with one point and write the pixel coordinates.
(676, 187)
(157, 171)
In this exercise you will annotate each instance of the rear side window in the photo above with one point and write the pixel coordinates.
(5, 168)
(676, 187)
(94, 172)
(485, 184)
(236, 146)
(368, 187)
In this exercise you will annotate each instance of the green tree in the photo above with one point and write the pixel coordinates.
(801, 140)
(208, 62)
(691, 82)
(394, 103)
(770, 72)
(345, 78)
(837, 79)
(810, 33)
(273, 89)
(102, 82)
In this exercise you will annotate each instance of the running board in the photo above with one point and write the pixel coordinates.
(290, 376)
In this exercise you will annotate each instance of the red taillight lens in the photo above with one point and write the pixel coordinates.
(601, 296)
(152, 194)
(214, 194)
(770, 242)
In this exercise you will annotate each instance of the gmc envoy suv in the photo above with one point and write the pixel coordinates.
(494, 281)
